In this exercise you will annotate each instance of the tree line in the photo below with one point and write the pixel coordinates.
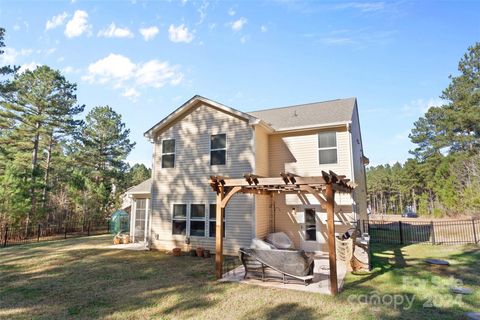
(443, 176)
(56, 165)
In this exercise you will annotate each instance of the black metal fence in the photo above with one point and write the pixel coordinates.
(10, 235)
(434, 232)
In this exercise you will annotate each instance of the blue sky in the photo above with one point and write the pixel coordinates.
(145, 59)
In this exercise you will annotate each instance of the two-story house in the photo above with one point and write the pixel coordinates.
(204, 138)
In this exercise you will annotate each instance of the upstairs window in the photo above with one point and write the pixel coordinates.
(218, 149)
(327, 147)
(168, 153)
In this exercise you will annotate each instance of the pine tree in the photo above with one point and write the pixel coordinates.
(40, 106)
(101, 148)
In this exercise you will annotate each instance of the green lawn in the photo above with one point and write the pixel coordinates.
(82, 279)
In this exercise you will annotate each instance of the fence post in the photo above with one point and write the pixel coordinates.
(474, 231)
(5, 236)
(400, 230)
(433, 232)
(38, 233)
(88, 228)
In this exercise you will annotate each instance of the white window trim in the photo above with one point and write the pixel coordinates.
(134, 205)
(215, 219)
(168, 153)
(327, 148)
(180, 219)
(189, 211)
(218, 149)
(189, 218)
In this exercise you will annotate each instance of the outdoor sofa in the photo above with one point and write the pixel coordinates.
(262, 257)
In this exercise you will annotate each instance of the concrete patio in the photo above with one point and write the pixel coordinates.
(136, 246)
(319, 284)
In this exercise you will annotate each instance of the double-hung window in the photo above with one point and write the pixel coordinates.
(189, 220)
(218, 149)
(179, 225)
(197, 220)
(212, 221)
(327, 147)
(168, 153)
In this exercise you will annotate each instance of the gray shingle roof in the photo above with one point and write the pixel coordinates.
(304, 115)
(144, 187)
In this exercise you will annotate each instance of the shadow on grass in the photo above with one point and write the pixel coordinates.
(82, 279)
(400, 272)
(84, 282)
(286, 311)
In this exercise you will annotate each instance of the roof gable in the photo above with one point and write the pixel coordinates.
(143, 187)
(189, 106)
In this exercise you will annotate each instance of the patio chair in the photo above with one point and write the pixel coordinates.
(289, 263)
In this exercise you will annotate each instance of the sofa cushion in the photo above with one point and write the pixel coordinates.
(280, 240)
(260, 244)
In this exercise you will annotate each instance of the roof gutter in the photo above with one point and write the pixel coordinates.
(260, 123)
(314, 126)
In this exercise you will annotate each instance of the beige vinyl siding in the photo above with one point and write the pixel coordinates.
(298, 153)
(262, 202)
(187, 182)
(360, 192)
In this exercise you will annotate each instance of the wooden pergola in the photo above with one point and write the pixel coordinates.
(323, 188)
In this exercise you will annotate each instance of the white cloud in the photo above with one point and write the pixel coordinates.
(231, 12)
(180, 34)
(10, 55)
(360, 38)
(113, 31)
(114, 67)
(243, 39)
(77, 25)
(16, 27)
(362, 6)
(50, 51)
(28, 66)
(154, 73)
(131, 93)
(416, 108)
(122, 73)
(70, 69)
(263, 28)
(149, 33)
(337, 41)
(56, 21)
(202, 11)
(238, 24)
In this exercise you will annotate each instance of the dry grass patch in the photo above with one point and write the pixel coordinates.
(82, 279)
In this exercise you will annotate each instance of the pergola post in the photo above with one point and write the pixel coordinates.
(223, 197)
(332, 254)
(219, 233)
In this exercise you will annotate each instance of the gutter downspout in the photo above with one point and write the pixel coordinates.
(254, 211)
(150, 204)
(352, 171)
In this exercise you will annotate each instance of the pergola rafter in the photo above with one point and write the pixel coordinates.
(323, 188)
